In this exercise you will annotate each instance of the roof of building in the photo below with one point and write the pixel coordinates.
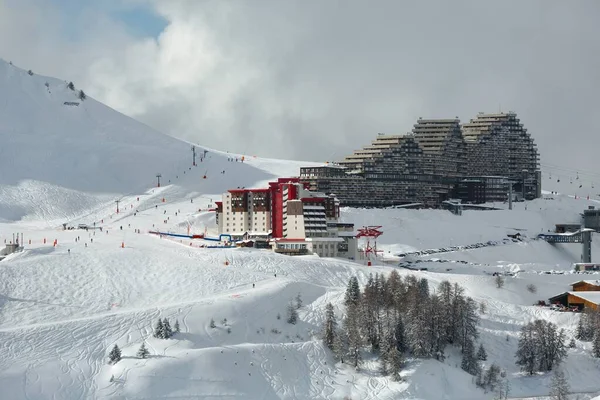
(324, 239)
(590, 282)
(592, 297)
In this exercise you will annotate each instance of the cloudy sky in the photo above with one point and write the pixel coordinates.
(314, 80)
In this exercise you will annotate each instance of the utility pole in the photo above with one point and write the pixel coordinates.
(158, 176)
(194, 155)
(117, 201)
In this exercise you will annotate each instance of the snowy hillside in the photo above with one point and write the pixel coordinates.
(63, 307)
(86, 154)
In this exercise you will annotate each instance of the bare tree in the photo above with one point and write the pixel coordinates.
(499, 281)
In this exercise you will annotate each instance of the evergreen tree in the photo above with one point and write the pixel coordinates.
(469, 361)
(437, 328)
(115, 355)
(559, 386)
(352, 292)
(82, 95)
(212, 323)
(168, 332)
(30, 72)
(329, 327)
(395, 361)
(340, 346)
(572, 343)
(143, 351)
(467, 322)
(580, 333)
(541, 346)
(596, 345)
(298, 301)
(159, 330)
(369, 314)
(400, 337)
(491, 377)
(481, 353)
(352, 328)
(71, 86)
(292, 314)
(176, 327)
(526, 352)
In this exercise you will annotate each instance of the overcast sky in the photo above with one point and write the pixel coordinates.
(315, 80)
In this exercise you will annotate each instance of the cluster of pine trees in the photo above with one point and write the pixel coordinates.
(163, 329)
(541, 347)
(588, 329)
(394, 317)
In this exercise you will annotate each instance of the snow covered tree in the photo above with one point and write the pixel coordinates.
(437, 328)
(596, 345)
(168, 332)
(176, 328)
(589, 323)
(340, 346)
(292, 314)
(580, 334)
(551, 344)
(572, 343)
(30, 72)
(82, 96)
(298, 300)
(531, 288)
(491, 377)
(143, 351)
(559, 386)
(71, 86)
(159, 330)
(395, 361)
(481, 353)
(469, 362)
(329, 327)
(115, 355)
(467, 322)
(370, 314)
(499, 281)
(212, 323)
(541, 346)
(352, 328)
(352, 292)
(526, 352)
(400, 336)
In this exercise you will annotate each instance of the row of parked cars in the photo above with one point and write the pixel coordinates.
(459, 248)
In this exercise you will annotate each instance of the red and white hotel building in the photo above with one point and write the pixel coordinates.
(293, 219)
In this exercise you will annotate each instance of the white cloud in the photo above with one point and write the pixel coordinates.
(314, 80)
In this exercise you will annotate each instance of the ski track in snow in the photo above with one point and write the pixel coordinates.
(61, 312)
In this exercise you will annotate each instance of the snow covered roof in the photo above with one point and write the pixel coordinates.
(324, 239)
(590, 282)
(592, 297)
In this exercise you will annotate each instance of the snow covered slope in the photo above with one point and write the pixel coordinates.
(86, 153)
(63, 307)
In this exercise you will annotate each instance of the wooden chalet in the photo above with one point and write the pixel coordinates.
(585, 293)
(586, 286)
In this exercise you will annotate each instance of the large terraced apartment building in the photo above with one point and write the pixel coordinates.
(439, 160)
